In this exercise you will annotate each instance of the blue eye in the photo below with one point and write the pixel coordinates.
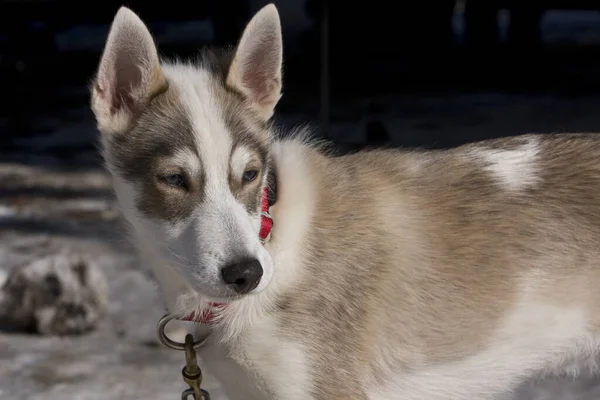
(175, 180)
(249, 175)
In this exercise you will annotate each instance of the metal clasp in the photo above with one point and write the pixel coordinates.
(192, 374)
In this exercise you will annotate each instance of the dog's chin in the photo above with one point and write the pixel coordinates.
(212, 292)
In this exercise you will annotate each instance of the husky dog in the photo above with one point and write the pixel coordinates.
(388, 274)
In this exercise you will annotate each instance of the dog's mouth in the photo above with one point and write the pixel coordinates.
(206, 315)
(217, 291)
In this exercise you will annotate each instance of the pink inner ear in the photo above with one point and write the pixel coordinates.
(108, 96)
(262, 86)
(128, 81)
(119, 83)
(260, 75)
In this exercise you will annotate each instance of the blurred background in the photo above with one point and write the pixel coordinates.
(427, 73)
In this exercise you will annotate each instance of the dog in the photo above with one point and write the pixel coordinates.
(382, 274)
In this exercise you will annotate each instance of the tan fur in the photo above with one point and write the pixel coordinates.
(426, 264)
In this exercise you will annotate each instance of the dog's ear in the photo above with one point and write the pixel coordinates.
(256, 67)
(129, 73)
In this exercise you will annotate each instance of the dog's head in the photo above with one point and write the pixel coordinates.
(188, 147)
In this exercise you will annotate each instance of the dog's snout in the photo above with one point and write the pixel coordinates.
(243, 276)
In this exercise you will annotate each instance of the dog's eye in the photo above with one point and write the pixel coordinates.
(249, 175)
(175, 180)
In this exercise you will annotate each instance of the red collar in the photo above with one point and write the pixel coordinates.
(266, 221)
(207, 316)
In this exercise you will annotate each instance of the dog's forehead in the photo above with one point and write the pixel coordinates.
(195, 120)
(203, 103)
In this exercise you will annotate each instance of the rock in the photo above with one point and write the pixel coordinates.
(58, 294)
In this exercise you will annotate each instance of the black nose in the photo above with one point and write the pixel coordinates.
(243, 276)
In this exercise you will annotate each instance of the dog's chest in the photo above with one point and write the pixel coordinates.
(261, 364)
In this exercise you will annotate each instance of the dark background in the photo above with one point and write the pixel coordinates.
(387, 60)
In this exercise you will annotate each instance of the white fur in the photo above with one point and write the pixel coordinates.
(239, 160)
(513, 169)
(188, 160)
(251, 367)
(293, 212)
(536, 338)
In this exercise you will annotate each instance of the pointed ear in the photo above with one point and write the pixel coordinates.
(256, 67)
(129, 73)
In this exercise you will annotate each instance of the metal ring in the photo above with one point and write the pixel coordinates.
(190, 392)
(164, 339)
